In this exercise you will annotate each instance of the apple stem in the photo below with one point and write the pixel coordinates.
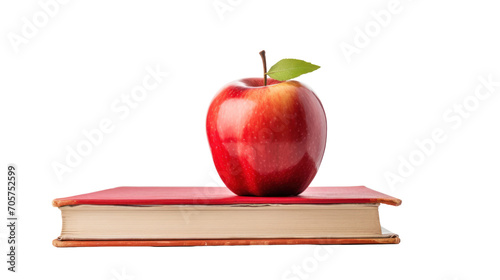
(263, 56)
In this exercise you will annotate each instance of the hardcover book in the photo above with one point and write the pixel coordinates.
(194, 216)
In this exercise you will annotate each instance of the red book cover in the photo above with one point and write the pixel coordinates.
(222, 196)
(389, 239)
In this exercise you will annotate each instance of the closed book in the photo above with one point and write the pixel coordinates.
(192, 216)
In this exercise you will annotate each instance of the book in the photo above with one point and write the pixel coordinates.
(192, 216)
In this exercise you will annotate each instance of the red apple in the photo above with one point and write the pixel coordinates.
(266, 140)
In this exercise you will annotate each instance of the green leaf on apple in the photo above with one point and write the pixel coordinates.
(290, 68)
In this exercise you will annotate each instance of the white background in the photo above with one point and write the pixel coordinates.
(64, 78)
